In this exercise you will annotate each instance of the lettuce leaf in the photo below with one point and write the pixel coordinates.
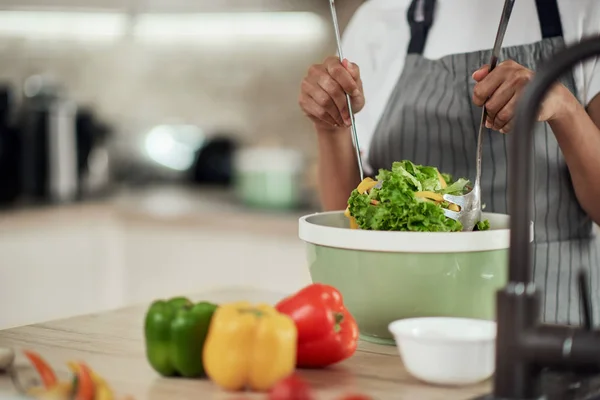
(456, 188)
(394, 206)
(482, 226)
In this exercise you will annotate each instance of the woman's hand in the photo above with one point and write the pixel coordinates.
(323, 93)
(501, 89)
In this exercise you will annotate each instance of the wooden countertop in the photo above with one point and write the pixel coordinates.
(112, 344)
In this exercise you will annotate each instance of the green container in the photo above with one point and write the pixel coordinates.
(274, 190)
(269, 178)
(386, 276)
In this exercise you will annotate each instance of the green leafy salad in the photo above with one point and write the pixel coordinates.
(410, 198)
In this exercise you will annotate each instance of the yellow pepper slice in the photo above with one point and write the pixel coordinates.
(249, 346)
(429, 195)
(363, 187)
(453, 207)
(102, 390)
(353, 224)
(442, 180)
(366, 185)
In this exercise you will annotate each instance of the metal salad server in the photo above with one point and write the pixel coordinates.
(348, 102)
(470, 203)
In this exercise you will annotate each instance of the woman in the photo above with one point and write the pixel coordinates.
(424, 78)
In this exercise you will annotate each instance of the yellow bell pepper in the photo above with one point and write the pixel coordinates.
(249, 347)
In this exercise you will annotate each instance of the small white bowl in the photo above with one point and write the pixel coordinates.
(446, 351)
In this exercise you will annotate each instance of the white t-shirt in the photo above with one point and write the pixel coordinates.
(378, 34)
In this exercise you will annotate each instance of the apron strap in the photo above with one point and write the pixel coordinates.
(420, 19)
(549, 17)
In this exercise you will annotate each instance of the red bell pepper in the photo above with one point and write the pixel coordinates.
(85, 385)
(46, 373)
(327, 332)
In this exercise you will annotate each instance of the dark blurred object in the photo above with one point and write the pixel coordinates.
(175, 153)
(214, 161)
(49, 144)
(9, 148)
(86, 130)
(56, 142)
(93, 164)
(95, 175)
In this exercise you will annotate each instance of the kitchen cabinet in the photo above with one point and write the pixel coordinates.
(185, 260)
(55, 264)
(50, 271)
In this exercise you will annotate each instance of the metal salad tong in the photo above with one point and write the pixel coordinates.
(470, 203)
(348, 102)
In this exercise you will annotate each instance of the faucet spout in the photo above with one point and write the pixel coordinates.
(521, 152)
(525, 347)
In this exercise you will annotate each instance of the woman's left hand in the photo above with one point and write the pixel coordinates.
(501, 89)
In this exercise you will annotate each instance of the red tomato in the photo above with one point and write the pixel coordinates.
(291, 388)
(356, 397)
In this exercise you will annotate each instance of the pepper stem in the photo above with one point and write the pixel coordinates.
(256, 312)
(339, 318)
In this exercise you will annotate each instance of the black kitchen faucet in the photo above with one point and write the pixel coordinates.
(525, 348)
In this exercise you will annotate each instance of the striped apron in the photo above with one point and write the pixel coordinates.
(430, 119)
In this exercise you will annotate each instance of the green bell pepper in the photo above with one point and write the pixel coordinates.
(175, 331)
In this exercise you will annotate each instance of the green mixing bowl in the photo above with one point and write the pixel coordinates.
(386, 276)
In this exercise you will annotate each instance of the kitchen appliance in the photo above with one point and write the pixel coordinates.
(60, 146)
(388, 275)
(48, 144)
(177, 152)
(9, 149)
(535, 360)
(93, 155)
(213, 164)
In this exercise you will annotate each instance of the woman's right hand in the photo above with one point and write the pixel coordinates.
(323, 93)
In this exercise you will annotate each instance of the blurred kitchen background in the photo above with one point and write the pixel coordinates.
(153, 147)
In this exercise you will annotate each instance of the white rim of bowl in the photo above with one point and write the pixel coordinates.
(404, 242)
(442, 339)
